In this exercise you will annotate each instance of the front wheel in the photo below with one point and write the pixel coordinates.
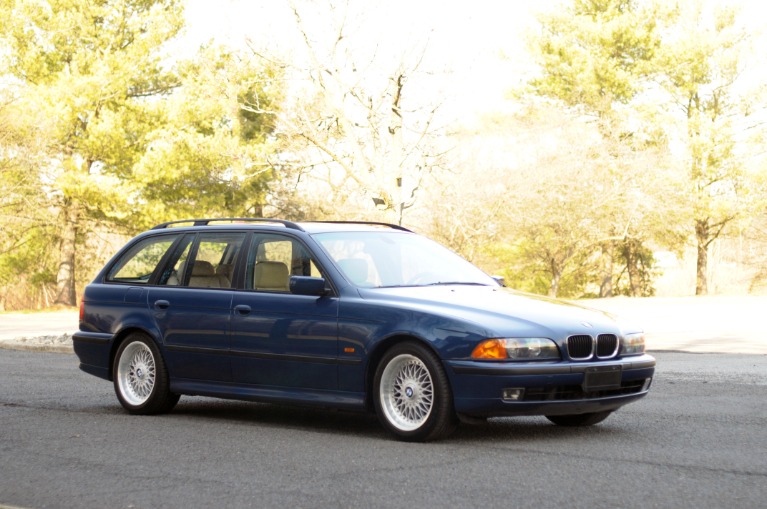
(412, 395)
(579, 419)
(140, 377)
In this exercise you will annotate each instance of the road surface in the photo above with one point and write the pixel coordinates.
(696, 441)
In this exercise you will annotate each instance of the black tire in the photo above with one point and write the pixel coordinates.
(140, 377)
(412, 395)
(579, 419)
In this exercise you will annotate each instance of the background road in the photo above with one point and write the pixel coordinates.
(723, 324)
(697, 440)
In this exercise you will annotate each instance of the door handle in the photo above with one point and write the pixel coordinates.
(161, 304)
(242, 309)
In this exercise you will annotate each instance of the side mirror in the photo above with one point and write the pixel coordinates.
(306, 285)
(500, 280)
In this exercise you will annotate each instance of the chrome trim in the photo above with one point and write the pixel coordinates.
(591, 352)
(595, 341)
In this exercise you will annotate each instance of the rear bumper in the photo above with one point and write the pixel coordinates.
(93, 349)
(557, 388)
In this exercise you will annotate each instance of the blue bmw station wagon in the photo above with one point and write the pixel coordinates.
(358, 316)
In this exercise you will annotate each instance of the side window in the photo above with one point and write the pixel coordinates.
(355, 261)
(174, 275)
(208, 262)
(273, 259)
(138, 264)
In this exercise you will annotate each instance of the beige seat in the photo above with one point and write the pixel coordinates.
(176, 275)
(204, 276)
(272, 276)
(224, 273)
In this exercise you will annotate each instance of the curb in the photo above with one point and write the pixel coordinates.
(8, 345)
(52, 343)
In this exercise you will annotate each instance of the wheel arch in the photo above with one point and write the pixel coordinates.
(380, 350)
(120, 339)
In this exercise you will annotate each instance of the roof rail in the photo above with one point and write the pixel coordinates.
(371, 223)
(206, 222)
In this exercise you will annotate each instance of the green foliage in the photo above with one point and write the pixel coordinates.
(701, 68)
(609, 56)
(211, 155)
(593, 52)
(528, 270)
(637, 272)
(85, 71)
(129, 137)
(25, 235)
(27, 268)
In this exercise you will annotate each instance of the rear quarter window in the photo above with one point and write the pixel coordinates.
(139, 262)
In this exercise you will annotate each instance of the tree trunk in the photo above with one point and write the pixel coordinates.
(65, 279)
(556, 275)
(702, 238)
(630, 254)
(608, 255)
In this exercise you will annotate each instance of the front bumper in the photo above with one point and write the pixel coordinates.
(549, 388)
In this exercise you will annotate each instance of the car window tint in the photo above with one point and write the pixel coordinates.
(354, 260)
(371, 259)
(273, 259)
(175, 275)
(212, 262)
(138, 264)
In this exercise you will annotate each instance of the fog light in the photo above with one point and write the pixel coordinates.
(513, 394)
(647, 383)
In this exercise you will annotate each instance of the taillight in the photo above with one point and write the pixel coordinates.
(82, 310)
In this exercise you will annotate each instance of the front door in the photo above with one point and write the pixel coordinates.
(279, 339)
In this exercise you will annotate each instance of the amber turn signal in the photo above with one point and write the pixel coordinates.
(490, 349)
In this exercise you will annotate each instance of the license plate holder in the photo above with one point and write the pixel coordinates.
(600, 378)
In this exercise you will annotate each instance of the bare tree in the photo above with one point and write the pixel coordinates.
(357, 129)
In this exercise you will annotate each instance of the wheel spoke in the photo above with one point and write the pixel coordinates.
(136, 373)
(407, 393)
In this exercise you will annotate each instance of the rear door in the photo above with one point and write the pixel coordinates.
(191, 305)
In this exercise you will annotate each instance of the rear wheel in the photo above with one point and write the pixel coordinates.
(412, 395)
(140, 377)
(579, 419)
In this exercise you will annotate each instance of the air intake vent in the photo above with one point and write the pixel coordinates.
(607, 346)
(580, 347)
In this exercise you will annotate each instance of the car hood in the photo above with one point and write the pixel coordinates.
(503, 311)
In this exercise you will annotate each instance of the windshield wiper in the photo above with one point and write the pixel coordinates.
(468, 283)
(438, 283)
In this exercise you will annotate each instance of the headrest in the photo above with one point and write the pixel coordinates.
(203, 268)
(271, 274)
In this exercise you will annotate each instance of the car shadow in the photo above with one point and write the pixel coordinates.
(360, 424)
(281, 416)
(530, 429)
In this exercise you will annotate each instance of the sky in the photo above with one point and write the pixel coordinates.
(475, 51)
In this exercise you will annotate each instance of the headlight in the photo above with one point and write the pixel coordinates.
(517, 349)
(632, 344)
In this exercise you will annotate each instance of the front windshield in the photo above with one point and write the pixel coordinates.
(390, 259)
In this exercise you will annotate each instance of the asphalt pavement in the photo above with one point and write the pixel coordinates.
(696, 441)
